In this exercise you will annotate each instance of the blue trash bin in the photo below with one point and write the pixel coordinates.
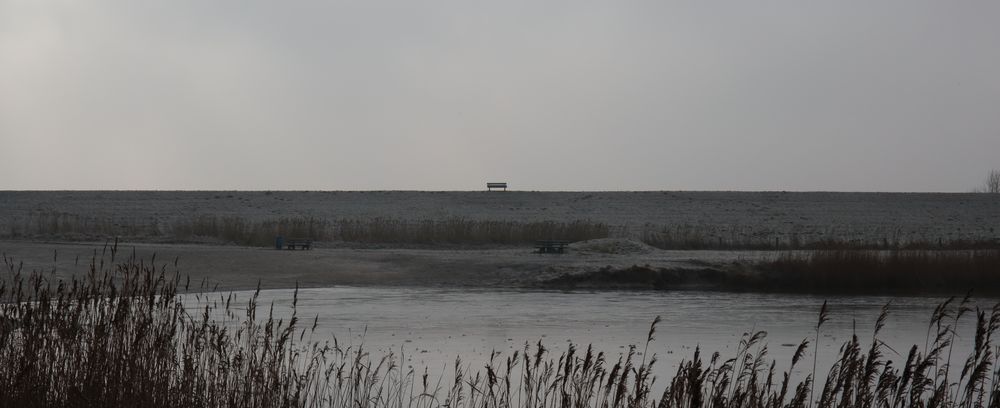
(279, 242)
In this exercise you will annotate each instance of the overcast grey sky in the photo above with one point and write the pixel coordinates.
(609, 95)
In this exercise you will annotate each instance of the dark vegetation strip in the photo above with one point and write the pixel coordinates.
(243, 231)
(120, 336)
(455, 230)
(386, 230)
(824, 271)
(954, 271)
(689, 237)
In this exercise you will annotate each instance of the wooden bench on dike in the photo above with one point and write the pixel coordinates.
(491, 186)
(298, 243)
(551, 246)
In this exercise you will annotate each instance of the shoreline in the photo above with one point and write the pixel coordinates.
(598, 265)
(669, 220)
(236, 268)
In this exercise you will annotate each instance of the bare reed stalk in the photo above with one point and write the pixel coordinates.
(823, 317)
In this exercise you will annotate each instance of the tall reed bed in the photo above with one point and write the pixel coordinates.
(243, 231)
(736, 237)
(121, 335)
(860, 271)
(55, 224)
(387, 230)
(466, 231)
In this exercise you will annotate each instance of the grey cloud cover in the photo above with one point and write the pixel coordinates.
(775, 95)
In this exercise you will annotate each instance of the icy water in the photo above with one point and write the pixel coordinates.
(434, 326)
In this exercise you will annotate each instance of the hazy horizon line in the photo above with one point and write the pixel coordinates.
(476, 191)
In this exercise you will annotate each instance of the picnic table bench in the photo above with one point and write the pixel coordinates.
(491, 186)
(298, 243)
(551, 246)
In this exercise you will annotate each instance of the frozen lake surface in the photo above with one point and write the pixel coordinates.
(434, 326)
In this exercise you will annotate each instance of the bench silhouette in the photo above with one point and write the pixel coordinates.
(491, 186)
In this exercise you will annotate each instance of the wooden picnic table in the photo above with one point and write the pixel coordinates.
(551, 246)
(299, 243)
